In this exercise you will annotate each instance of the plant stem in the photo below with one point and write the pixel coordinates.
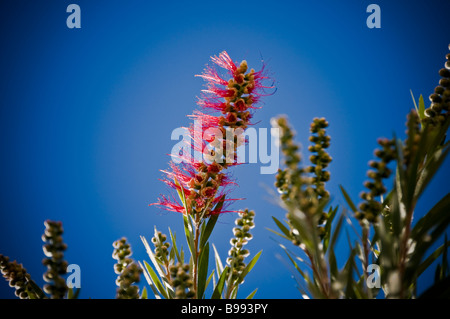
(323, 285)
(195, 257)
(404, 248)
(365, 243)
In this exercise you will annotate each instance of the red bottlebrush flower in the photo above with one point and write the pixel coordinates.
(203, 183)
(224, 61)
(169, 204)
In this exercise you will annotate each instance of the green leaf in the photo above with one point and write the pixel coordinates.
(189, 232)
(283, 228)
(398, 210)
(180, 191)
(278, 234)
(348, 199)
(427, 262)
(307, 233)
(234, 292)
(421, 111)
(202, 271)
(252, 294)
(174, 246)
(348, 271)
(219, 265)
(437, 215)
(73, 293)
(326, 238)
(152, 257)
(150, 282)
(218, 290)
(336, 232)
(204, 236)
(430, 169)
(144, 293)
(401, 181)
(209, 278)
(334, 272)
(249, 267)
(427, 230)
(156, 280)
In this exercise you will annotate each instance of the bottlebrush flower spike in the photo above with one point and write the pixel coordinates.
(203, 184)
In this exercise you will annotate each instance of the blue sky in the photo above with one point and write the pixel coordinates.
(86, 114)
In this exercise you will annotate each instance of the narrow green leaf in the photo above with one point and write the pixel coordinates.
(296, 266)
(283, 228)
(333, 264)
(202, 271)
(435, 216)
(218, 290)
(189, 232)
(348, 199)
(144, 293)
(438, 273)
(209, 278)
(252, 294)
(249, 267)
(427, 262)
(173, 237)
(150, 282)
(152, 257)
(421, 110)
(234, 292)
(180, 191)
(156, 280)
(326, 239)
(426, 232)
(219, 265)
(336, 232)
(204, 236)
(74, 293)
(278, 234)
(430, 169)
(350, 283)
(397, 210)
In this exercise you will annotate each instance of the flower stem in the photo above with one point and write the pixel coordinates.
(195, 257)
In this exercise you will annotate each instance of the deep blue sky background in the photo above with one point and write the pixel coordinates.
(86, 114)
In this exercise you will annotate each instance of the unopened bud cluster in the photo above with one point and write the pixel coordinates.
(16, 275)
(295, 187)
(161, 247)
(129, 272)
(371, 207)
(182, 281)
(288, 181)
(56, 265)
(321, 159)
(242, 235)
(438, 112)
